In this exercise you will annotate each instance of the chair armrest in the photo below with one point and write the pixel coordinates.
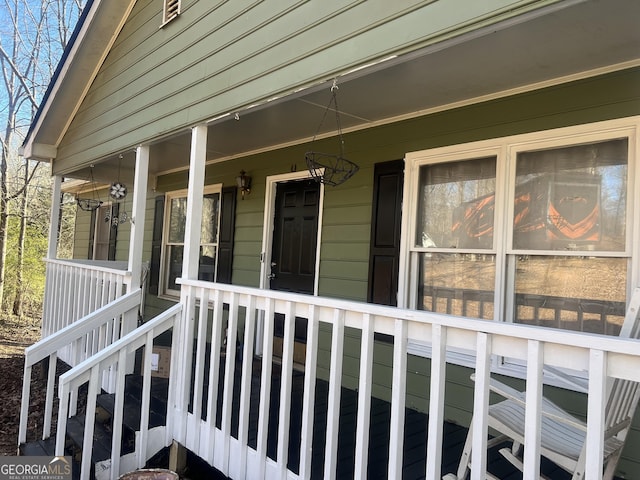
(579, 384)
(504, 390)
(549, 409)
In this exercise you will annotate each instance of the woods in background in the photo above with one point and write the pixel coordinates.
(33, 36)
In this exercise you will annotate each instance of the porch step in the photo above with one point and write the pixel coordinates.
(101, 439)
(131, 415)
(42, 448)
(133, 401)
(75, 436)
(46, 448)
(159, 387)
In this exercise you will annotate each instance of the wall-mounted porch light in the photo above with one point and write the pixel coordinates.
(244, 183)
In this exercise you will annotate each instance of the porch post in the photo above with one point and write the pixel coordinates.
(190, 260)
(54, 220)
(141, 175)
(137, 216)
(52, 252)
(194, 202)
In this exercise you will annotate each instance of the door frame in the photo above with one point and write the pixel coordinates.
(268, 222)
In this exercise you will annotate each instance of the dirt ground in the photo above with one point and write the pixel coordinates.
(15, 335)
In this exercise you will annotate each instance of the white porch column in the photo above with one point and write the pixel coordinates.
(141, 175)
(190, 260)
(194, 202)
(48, 326)
(138, 210)
(54, 220)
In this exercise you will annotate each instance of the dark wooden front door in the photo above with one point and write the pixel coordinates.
(295, 236)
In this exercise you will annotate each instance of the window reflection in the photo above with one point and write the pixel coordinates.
(572, 198)
(456, 204)
(575, 293)
(457, 284)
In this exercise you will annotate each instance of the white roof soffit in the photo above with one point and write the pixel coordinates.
(536, 50)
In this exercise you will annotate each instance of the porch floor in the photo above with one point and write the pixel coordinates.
(414, 457)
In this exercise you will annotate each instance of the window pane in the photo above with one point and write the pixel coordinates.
(207, 265)
(177, 220)
(209, 228)
(575, 293)
(176, 253)
(102, 233)
(456, 204)
(457, 284)
(572, 198)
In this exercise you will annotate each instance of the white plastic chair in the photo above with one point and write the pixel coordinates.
(562, 434)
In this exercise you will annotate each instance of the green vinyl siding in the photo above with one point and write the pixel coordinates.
(344, 252)
(81, 234)
(217, 57)
(347, 212)
(347, 208)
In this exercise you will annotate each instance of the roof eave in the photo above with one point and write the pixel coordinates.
(92, 38)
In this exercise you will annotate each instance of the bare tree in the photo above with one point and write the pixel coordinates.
(34, 35)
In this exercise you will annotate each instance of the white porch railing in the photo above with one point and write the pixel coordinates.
(75, 288)
(249, 314)
(208, 325)
(116, 358)
(81, 340)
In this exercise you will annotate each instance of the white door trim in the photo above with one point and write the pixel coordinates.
(268, 223)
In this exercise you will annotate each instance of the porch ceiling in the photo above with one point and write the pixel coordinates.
(559, 41)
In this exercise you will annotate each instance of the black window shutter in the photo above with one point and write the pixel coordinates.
(156, 246)
(92, 233)
(384, 253)
(113, 232)
(227, 230)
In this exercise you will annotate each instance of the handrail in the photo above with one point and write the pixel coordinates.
(107, 266)
(75, 288)
(115, 356)
(68, 334)
(521, 331)
(88, 335)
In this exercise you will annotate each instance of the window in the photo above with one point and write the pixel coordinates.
(102, 235)
(532, 229)
(170, 11)
(173, 244)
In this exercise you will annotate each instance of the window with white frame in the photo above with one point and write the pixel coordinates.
(102, 232)
(173, 237)
(534, 229)
(170, 10)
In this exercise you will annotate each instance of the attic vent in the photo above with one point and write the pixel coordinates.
(171, 10)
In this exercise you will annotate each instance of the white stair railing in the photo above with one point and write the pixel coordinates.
(81, 340)
(214, 313)
(76, 288)
(115, 358)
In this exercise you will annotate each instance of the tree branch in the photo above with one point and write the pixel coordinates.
(3, 53)
(26, 184)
